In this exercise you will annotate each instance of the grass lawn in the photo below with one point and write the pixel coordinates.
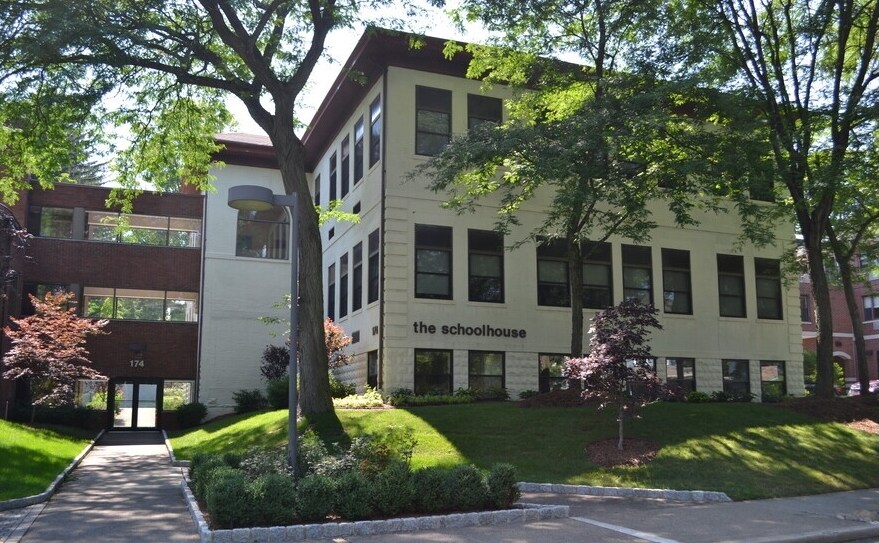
(746, 450)
(33, 457)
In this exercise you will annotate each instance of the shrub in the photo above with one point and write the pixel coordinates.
(390, 490)
(466, 488)
(353, 496)
(526, 394)
(371, 398)
(260, 461)
(227, 499)
(310, 453)
(248, 400)
(501, 481)
(273, 500)
(399, 399)
(315, 497)
(429, 491)
(495, 394)
(698, 397)
(338, 389)
(373, 453)
(278, 393)
(275, 361)
(191, 414)
(202, 467)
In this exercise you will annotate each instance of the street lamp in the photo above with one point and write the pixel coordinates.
(256, 198)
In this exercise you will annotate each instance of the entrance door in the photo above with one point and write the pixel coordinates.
(135, 405)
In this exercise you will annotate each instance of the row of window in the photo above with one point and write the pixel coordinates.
(433, 274)
(353, 276)
(122, 303)
(82, 224)
(870, 308)
(486, 371)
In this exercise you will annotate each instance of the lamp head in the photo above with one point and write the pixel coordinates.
(251, 198)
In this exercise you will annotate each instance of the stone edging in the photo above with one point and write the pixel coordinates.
(174, 461)
(303, 532)
(694, 496)
(46, 494)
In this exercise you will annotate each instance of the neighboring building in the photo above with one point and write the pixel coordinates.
(866, 294)
(435, 301)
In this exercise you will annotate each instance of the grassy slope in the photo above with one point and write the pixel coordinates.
(33, 457)
(746, 450)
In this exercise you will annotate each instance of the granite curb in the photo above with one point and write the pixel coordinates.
(174, 461)
(693, 496)
(836, 535)
(304, 532)
(18, 503)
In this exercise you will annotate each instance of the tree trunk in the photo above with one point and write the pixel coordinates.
(620, 414)
(824, 325)
(576, 288)
(855, 315)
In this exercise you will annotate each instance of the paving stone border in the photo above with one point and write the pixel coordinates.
(303, 532)
(46, 494)
(693, 496)
(174, 461)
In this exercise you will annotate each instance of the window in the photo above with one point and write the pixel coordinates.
(91, 393)
(550, 372)
(872, 307)
(680, 374)
(375, 130)
(485, 370)
(357, 277)
(731, 286)
(343, 285)
(761, 188)
(332, 165)
(677, 281)
(597, 275)
(433, 262)
(39, 290)
(184, 232)
(553, 288)
(806, 308)
(176, 394)
(50, 222)
(373, 267)
(433, 372)
(143, 229)
(373, 369)
(772, 380)
(483, 110)
(142, 305)
(317, 190)
(345, 167)
(331, 292)
(433, 120)
(262, 234)
(637, 283)
(358, 150)
(768, 288)
(736, 377)
(641, 389)
(485, 266)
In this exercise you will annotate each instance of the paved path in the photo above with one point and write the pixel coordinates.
(125, 490)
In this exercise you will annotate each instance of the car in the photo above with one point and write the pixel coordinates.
(873, 387)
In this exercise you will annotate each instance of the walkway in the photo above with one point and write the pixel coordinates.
(125, 490)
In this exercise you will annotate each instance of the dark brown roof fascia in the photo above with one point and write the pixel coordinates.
(240, 153)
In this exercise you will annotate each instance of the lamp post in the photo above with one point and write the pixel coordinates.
(256, 198)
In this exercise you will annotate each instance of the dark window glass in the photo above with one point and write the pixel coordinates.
(761, 189)
(39, 291)
(433, 120)
(485, 266)
(482, 110)
(806, 309)
(373, 369)
(345, 168)
(343, 285)
(677, 281)
(144, 305)
(772, 380)
(331, 292)
(485, 370)
(373, 267)
(332, 166)
(768, 288)
(553, 280)
(637, 281)
(871, 305)
(731, 286)
(433, 262)
(358, 150)
(50, 222)
(680, 374)
(263, 234)
(433, 372)
(375, 130)
(357, 277)
(317, 190)
(736, 377)
(598, 288)
(550, 372)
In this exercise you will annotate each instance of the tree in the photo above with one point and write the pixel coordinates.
(336, 341)
(276, 358)
(811, 68)
(48, 349)
(601, 143)
(172, 62)
(616, 371)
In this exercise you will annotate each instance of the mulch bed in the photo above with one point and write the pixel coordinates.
(635, 452)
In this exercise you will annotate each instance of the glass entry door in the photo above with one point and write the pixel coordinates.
(135, 405)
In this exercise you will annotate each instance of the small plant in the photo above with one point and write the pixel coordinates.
(526, 394)
(370, 399)
(260, 461)
(248, 400)
(275, 361)
(338, 389)
(698, 397)
(191, 414)
(278, 393)
(503, 490)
